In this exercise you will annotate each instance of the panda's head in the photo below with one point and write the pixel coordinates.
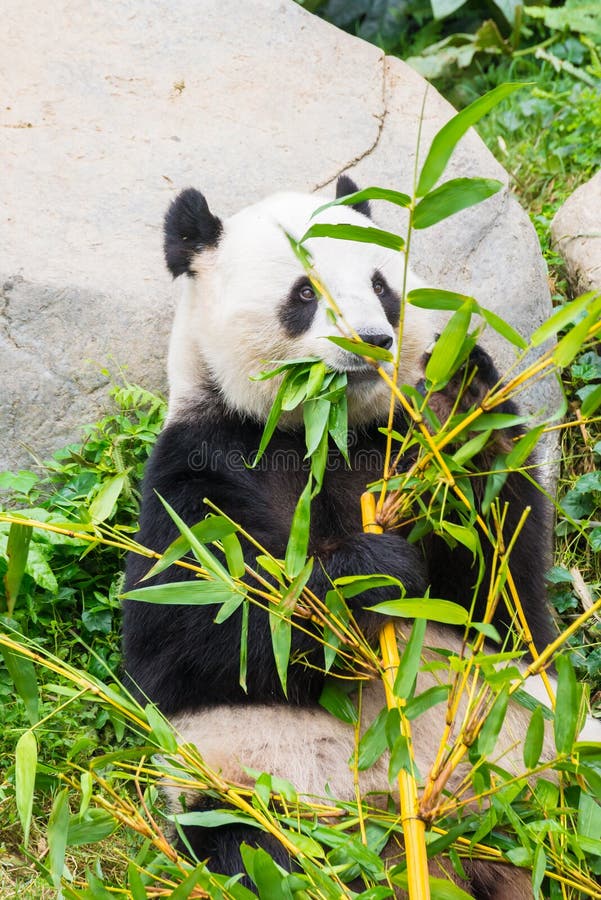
(247, 302)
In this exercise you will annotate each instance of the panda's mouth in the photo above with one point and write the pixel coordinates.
(361, 375)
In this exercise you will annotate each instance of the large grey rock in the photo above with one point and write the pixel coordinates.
(112, 107)
(576, 233)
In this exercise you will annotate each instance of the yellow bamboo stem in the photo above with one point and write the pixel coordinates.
(414, 828)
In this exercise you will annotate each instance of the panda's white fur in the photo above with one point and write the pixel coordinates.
(238, 274)
(225, 300)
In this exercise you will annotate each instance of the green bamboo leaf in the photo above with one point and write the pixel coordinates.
(539, 867)
(360, 348)
(410, 661)
(161, 730)
(268, 878)
(213, 528)
(212, 818)
(185, 888)
(591, 402)
(202, 553)
(135, 883)
(400, 757)
(336, 700)
(472, 447)
(567, 705)
(26, 760)
(281, 640)
(352, 585)
(487, 739)
(244, 647)
(317, 374)
(338, 425)
(272, 420)
(362, 234)
(233, 555)
(450, 134)
(17, 549)
(433, 610)
(316, 414)
(22, 671)
(298, 541)
(571, 343)
(56, 834)
(86, 786)
(338, 612)
(95, 825)
(562, 317)
(524, 447)
(184, 593)
(426, 700)
(104, 502)
(373, 743)
(434, 298)
(463, 535)
(448, 347)
(370, 193)
(533, 744)
(451, 197)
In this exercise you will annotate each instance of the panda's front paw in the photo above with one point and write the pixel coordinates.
(466, 388)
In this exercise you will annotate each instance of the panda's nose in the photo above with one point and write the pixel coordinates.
(378, 340)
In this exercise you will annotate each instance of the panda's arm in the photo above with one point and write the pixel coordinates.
(452, 570)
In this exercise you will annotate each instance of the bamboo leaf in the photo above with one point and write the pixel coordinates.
(373, 743)
(161, 730)
(26, 760)
(213, 528)
(591, 402)
(244, 647)
(184, 593)
(135, 883)
(104, 502)
(450, 134)
(202, 553)
(361, 348)
(362, 234)
(451, 197)
(533, 744)
(571, 343)
(336, 700)
(95, 825)
(434, 298)
(433, 610)
(448, 347)
(338, 611)
(233, 555)
(410, 661)
(370, 193)
(489, 733)
(17, 549)
(316, 414)
(426, 700)
(562, 317)
(22, 671)
(567, 705)
(400, 758)
(524, 447)
(56, 833)
(298, 541)
(281, 639)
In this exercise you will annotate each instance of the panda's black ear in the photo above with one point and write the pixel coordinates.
(346, 186)
(190, 227)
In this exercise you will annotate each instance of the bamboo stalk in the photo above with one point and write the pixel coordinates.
(414, 828)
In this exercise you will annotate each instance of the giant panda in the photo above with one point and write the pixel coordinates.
(246, 299)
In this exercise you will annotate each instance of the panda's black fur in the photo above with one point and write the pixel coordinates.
(176, 655)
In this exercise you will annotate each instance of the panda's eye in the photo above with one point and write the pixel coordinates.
(378, 287)
(307, 293)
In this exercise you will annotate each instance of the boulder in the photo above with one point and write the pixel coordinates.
(112, 108)
(576, 234)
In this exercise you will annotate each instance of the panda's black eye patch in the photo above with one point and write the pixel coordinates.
(298, 309)
(389, 299)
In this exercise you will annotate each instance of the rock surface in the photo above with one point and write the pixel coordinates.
(576, 234)
(110, 108)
